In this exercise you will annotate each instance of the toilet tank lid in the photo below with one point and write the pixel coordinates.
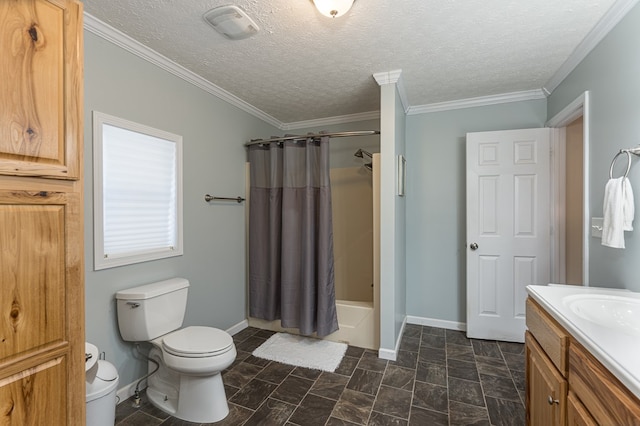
(148, 291)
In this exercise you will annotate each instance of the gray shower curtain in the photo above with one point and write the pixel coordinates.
(291, 274)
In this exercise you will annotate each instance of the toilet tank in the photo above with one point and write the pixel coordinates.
(151, 310)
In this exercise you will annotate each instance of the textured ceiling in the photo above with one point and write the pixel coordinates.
(304, 66)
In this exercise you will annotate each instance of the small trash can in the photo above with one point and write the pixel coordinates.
(102, 381)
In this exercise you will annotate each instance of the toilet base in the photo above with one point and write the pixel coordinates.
(190, 406)
(202, 399)
(195, 399)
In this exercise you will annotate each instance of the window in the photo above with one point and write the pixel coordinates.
(137, 175)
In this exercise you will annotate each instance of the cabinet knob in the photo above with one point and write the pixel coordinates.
(552, 401)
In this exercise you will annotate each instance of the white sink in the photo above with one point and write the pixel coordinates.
(616, 312)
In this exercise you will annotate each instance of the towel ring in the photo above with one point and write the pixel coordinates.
(622, 151)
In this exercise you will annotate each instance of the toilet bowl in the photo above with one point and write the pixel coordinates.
(197, 351)
(187, 362)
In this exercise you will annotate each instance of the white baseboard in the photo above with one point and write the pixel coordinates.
(432, 322)
(127, 391)
(235, 329)
(390, 354)
(387, 354)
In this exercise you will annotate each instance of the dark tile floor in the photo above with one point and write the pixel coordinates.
(439, 378)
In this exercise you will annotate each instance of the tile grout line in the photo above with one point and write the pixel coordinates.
(446, 371)
(511, 376)
(484, 393)
(415, 375)
(266, 399)
(343, 389)
(375, 399)
(253, 377)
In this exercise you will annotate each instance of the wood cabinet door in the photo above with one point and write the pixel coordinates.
(41, 308)
(34, 397)
(41, 88)
(546, 388)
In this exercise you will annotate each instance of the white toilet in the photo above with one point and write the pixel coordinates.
(188, 384)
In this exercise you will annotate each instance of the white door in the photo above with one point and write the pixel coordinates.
(507, 228)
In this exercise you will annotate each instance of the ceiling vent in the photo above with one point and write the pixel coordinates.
(231, 21)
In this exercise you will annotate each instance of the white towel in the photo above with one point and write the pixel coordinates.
(618, 211)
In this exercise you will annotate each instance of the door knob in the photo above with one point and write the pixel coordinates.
(473, 246)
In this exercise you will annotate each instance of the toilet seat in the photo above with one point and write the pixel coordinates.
(197, 342)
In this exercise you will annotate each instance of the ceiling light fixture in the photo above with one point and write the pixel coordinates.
(231, 21)
(333, 8)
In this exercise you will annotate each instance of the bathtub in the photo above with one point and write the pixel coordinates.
(356, 322)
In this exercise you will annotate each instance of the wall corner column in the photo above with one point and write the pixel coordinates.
(392, 213)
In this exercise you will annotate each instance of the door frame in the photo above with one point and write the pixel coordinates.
(579, 107)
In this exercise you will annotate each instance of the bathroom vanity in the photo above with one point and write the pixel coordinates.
(582, 356)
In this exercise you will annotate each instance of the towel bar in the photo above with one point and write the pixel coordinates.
(208, 198)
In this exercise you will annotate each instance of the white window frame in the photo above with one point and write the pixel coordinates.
(102, 260)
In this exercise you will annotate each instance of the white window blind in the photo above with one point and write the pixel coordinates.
(137, 190)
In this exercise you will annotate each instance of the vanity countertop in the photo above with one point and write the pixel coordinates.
(616, 349)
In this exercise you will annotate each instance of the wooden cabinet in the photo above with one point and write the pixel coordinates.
(41, 87)
(566, 384)
(41, 221)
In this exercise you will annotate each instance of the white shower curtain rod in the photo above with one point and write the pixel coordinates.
(317, 135)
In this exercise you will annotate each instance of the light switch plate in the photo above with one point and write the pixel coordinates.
(596, 227)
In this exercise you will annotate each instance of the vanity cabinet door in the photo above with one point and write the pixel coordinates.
(546, 388)
(41, 88)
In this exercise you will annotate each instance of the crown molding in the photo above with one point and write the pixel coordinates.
(107, 32)
(340, 119)
(387, 77)
(391, 77)
(477, 102)
(610, 19)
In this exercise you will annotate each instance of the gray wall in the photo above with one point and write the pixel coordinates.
(121, 84)
(611, 74)
(436, 206)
